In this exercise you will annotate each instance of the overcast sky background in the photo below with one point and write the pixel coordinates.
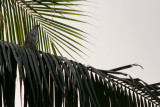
(125, 32)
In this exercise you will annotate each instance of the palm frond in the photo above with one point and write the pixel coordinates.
(17, 18)
(51, 80)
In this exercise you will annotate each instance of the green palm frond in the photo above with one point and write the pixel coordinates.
(17, 18)
(51, 80)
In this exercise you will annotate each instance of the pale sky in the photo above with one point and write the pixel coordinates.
(125, 32)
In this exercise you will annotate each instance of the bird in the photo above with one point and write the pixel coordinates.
(31, 39)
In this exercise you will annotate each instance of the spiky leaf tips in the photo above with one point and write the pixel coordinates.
(17, 18)
(51, 80)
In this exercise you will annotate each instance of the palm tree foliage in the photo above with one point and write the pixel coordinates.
(18, 16)
(51, 80)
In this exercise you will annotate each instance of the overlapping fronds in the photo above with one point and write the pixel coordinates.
(51, 80)
(17, 18)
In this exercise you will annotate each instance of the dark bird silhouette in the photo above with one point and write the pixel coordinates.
(31, 39)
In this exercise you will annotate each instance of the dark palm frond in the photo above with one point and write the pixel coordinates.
(155, 88)
(51, 80)
(17, 18)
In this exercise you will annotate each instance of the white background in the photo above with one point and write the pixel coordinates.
(125, 32)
